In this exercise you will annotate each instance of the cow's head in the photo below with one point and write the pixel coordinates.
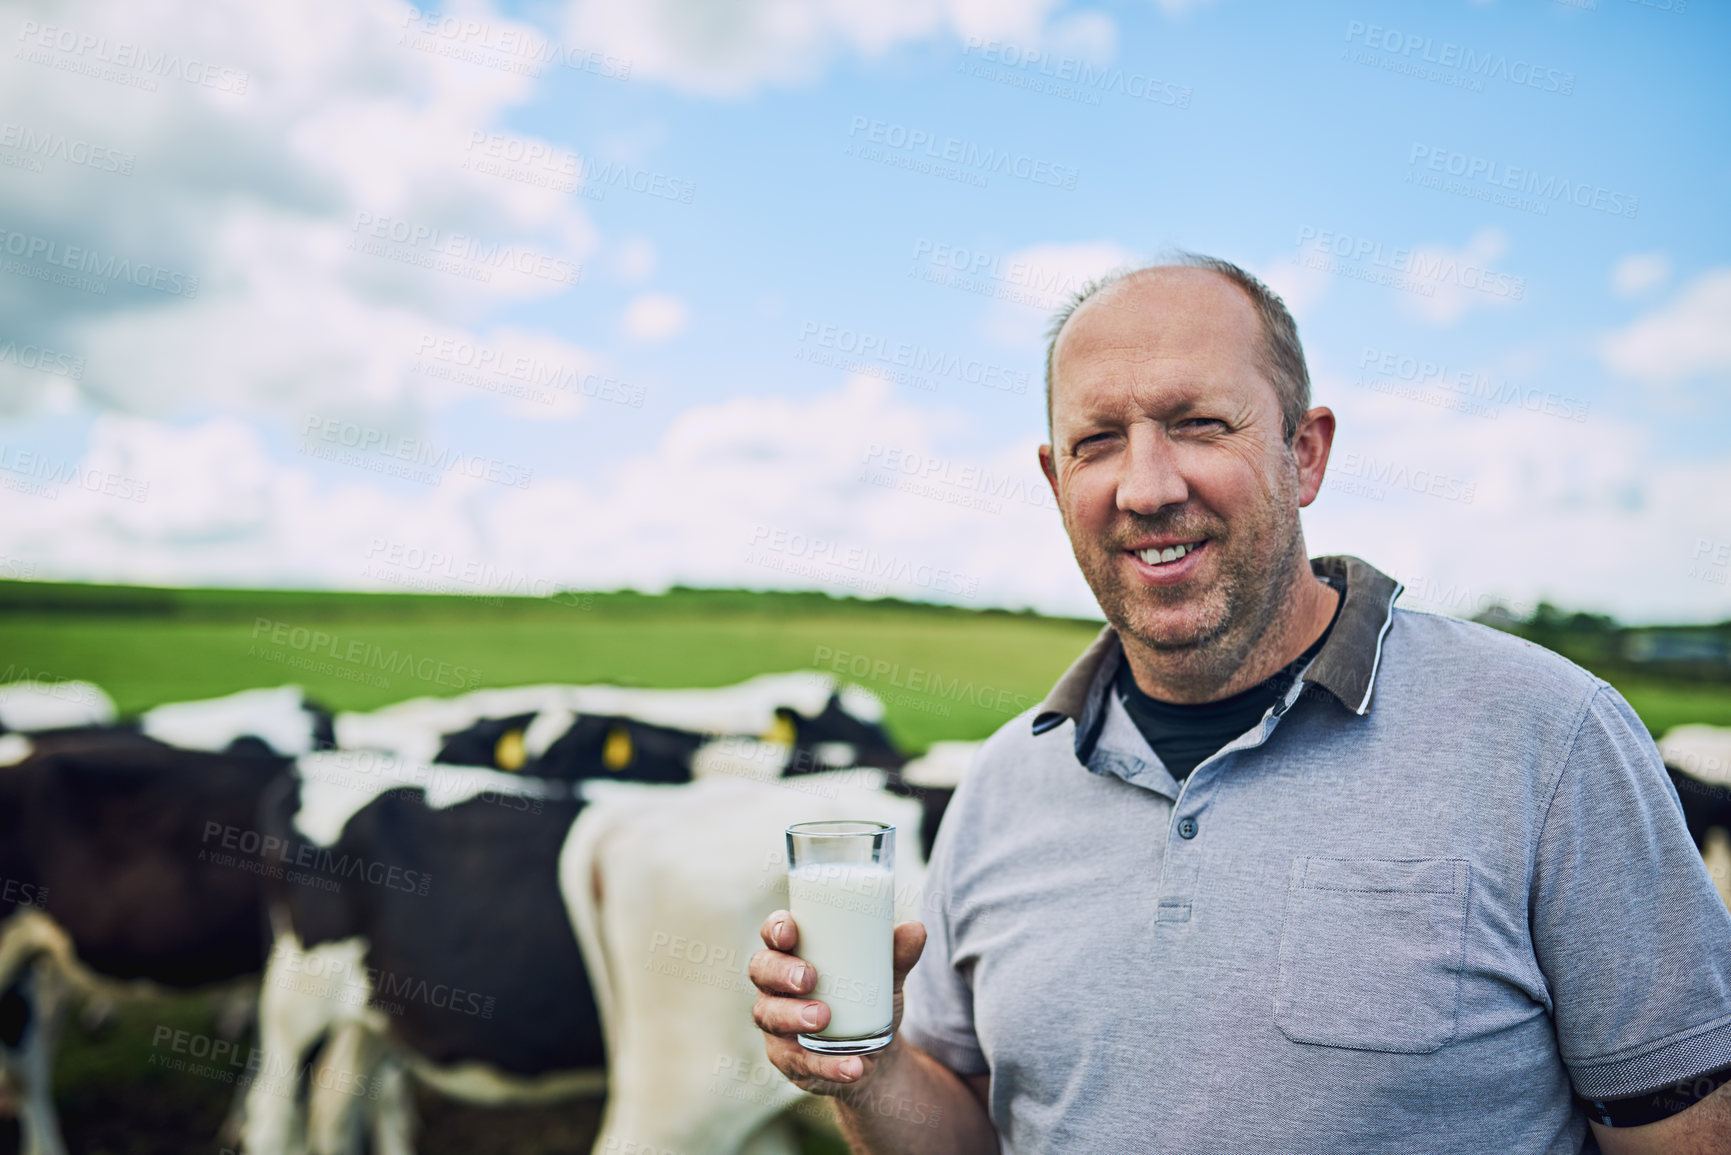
(837, 738)
(598, 746)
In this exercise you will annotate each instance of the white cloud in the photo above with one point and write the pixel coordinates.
(1046, 276)
(851, 491)
(733, 47)
(1461, 280)
(1690, 335)
(309, 207)
(1639, 273)
(857, 491)
(635, 260)
(655, 317)
(1584, 514)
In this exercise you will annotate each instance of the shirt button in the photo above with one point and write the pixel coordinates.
(1187, 828)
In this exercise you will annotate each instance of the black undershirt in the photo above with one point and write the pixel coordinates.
(1184, 735)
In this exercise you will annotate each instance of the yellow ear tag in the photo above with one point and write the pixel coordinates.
(617, 753)
(782, 731)
(510, 753)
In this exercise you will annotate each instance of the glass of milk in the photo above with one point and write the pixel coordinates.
(841, 893)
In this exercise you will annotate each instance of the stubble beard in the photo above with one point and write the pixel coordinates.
(1218, 626)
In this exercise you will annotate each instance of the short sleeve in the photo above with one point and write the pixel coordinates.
(1632, 937)
(938, 1000)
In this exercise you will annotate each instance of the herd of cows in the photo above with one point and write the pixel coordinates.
(516, 895)
(512, 896)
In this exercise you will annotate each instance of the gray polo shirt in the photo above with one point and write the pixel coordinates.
(1443, 878)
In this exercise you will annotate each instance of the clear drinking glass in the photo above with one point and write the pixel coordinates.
(841, 893)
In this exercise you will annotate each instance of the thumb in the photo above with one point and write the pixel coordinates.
(909, 944)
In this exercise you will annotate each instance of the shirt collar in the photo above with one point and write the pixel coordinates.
(1346, 666)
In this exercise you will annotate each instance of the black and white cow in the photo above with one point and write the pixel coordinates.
(118, 879)
(820, 724)
(42, 705)
(448, 921)
(1698, 758)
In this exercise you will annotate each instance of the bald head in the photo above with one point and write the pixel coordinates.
(1220, 303)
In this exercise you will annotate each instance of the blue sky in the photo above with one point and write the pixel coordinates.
(805, 350)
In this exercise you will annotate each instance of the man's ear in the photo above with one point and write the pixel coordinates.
(1310, 450)
(1050, 469)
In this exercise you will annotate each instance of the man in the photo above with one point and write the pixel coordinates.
(1277, 866)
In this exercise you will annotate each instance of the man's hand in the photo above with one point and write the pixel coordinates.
(785, 1008)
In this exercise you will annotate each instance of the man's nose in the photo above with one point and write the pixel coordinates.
(1151, 479)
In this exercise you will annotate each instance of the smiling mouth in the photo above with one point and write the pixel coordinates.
(1169, 554)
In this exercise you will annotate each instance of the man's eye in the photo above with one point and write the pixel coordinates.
(1092, 441)
(1202, 424)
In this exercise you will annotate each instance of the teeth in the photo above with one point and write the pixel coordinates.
(1163, 556)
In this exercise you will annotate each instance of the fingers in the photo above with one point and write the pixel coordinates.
(775, 973)
(776, 1016)
(809, 1071)
(910, 943)
(779, 931)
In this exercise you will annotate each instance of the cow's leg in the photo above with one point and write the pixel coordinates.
(1716, 849)
(30, 1011)
(296, 1008)
(352, 1088)
(394, 1113)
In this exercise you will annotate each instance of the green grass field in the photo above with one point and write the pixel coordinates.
(942, 672)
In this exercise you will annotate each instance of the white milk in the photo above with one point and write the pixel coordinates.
(845, 912)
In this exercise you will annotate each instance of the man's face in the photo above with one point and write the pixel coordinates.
(1166, 439)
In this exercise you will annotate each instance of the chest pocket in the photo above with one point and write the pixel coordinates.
(1371, 953)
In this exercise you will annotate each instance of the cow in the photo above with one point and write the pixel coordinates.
(1698, 759)
(461, 924)
(823, 724)
(118, 879)
(41, 705)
